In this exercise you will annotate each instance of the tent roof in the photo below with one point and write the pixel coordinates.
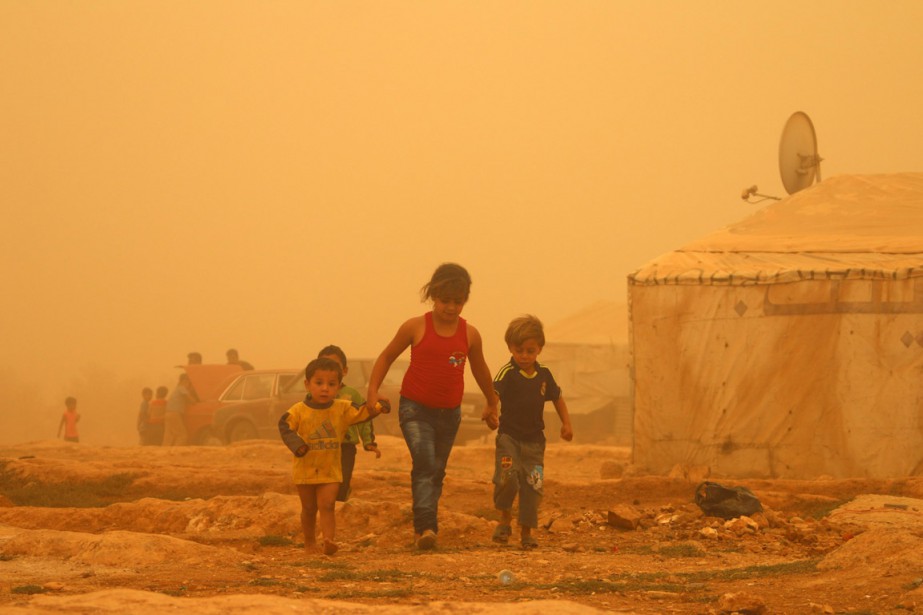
(846, 227)
(601, 323)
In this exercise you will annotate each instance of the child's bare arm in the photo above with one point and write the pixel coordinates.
(567, 432)
(480, 371)
(402, 339)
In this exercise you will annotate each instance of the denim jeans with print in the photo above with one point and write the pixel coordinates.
(429, 434)
(519, 470)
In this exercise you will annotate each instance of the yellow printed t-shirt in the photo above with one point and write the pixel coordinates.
(323, 430)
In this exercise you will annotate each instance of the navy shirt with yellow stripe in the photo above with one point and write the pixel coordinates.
(522, 400)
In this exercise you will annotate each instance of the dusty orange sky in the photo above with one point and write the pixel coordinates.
(276, 176)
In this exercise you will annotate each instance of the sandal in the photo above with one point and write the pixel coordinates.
(427, 540)
(529, 543)
(502, 534)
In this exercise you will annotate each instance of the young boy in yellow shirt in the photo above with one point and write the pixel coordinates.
(313, 430)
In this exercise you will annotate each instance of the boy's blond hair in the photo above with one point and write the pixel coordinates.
(526, 327)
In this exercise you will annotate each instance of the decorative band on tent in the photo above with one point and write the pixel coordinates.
(698, 276)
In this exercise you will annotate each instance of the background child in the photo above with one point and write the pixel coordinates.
(153, 436)
(440, 342)
(313, 430)
(523, 386)
(69, 421)
(174, 421)
(147, 394)
(363, 432)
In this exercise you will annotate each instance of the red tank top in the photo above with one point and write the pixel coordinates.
(436, 376)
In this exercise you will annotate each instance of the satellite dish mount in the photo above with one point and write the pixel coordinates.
(799, 162)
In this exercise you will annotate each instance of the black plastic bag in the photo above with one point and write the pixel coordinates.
(726, 502)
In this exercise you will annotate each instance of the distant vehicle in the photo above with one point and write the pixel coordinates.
(208, 381)
(251, 405)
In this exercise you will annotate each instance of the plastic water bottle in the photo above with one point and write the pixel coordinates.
(506, 577)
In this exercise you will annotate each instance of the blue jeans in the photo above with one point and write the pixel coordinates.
(429, 434)
(518, 470)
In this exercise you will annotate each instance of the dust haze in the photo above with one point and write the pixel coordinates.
(275, 177)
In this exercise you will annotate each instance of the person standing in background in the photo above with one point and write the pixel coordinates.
(174, 431)
(144, 413)
(69, 421)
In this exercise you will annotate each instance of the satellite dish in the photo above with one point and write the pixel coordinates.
(799, 163)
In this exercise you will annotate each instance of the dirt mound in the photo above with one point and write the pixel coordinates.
(218, 528)
(870, 510)
(130, 601)
(270, 513)
(892, 552)
(116, 548)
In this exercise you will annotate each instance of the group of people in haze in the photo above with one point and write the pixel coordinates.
(441, 343)
(161, 416)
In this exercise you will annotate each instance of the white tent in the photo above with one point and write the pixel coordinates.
(789, 344)
(588, 354)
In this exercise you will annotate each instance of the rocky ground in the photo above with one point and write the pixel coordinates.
(212, 529)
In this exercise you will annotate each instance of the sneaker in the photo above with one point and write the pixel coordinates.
(427, 540)
(502, 534)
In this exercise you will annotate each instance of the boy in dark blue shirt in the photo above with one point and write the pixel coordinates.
(523, 386)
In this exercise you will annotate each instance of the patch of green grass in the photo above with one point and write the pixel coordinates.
(693, 583)
(97, 493)
(326, 564)
(304, 589)
(637, 549)
(749, 572)
(176, 593)
(378, 576)
(681, 550)
(584, 587)
(29, 589)
(388, 593)
(275, 541)
(822, 509)
(265, 582)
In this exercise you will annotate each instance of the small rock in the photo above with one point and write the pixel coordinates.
(624, 517)
(742, 603)
(708, 532)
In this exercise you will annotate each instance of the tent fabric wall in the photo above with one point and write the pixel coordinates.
(588, 354)
(773, 349)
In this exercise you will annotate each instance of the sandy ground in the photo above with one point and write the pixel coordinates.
(212, 529)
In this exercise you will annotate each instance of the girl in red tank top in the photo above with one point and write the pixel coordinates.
(441, 344)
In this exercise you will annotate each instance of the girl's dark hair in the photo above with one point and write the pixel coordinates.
(449, 280)
(326, 351)
(325, 365)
